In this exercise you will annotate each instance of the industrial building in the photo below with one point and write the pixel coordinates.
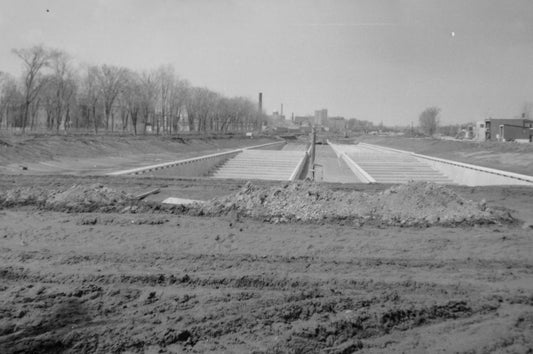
(518, 129)
(321, 117)
(336, 124)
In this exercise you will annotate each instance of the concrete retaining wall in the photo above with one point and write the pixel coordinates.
(363, 176)
(467, 174)
(196, 166)
(300, 170)
(472, 175)
(269, 146)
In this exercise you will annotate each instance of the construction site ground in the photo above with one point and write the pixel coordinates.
(165, 280)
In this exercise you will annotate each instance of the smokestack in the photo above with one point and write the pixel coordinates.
(260, 102)
(281, 109)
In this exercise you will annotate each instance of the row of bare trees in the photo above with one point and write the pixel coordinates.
(54, 94)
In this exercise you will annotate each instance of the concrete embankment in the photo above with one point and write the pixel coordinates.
(373, 163)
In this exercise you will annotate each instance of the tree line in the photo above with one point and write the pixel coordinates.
(53, 93)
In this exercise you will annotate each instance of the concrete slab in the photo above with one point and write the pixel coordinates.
(181, 201)
(333, 169)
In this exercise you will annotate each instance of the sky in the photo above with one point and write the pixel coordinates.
(378, 60)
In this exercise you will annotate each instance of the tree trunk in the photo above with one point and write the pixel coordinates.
(95, 121)
(25, 117)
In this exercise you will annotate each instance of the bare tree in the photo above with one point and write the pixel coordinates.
(236, 112)
(110, 82)
(149, 90)
(429, 120)
(177, 102)
(165, 79)
(90, 97)
(133, 97)
(158, 98)
(35, 59)
(11, 100)
(200, 108)
(58, 91)
(64, 86)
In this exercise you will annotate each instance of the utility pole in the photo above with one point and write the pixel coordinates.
(312, 162)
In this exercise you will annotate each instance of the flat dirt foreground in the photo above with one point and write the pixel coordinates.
(165, 281)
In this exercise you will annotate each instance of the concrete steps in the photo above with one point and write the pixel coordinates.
(392, 167)
(261, 164)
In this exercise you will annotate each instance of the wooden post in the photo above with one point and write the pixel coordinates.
(312, 162)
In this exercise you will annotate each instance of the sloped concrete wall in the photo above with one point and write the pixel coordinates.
(467, 174)
(472, 175)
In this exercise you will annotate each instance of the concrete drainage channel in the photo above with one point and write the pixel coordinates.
(369, 163)
(377, 164)
(264, 161)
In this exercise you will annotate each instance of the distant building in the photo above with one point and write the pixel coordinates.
(321, 117)
(480, 132)
(304, 121)
(277, 119)
(336, 124)
(518, 129)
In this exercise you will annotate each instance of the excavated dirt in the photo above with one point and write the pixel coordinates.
(86, 267)
(76, 198)
(413, 204)
(159, 282)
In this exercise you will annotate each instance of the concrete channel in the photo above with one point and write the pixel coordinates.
(267, 161)
(337, 163)
(378, 164)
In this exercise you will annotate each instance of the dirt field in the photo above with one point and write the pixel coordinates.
(165, 280)
(514, 157)
(90, 154)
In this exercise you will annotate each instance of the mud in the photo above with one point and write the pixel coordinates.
(158, 281)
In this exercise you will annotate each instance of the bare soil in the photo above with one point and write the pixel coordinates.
(101, 154)
(85, 267)
(164, 281)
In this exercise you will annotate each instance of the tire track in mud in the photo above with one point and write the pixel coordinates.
(206, 262)
(372, 313)
(192, 270)
(214, 300)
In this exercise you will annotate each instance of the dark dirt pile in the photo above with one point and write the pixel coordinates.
(82, 198)
(413, 204)
(416, 203)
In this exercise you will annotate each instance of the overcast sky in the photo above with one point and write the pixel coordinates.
(375, 60)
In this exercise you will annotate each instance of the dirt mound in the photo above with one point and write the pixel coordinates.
(76, 198)
(416, 203)
(83, 196)
(413, 204)
(429, 202)
(23, 196)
